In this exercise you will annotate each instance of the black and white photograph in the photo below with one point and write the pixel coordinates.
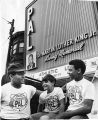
(31, 61)
(48, 59)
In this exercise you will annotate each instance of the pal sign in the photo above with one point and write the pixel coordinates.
(30, 26)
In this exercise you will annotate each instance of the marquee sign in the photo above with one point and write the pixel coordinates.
(68, 43)
(61, 50)
(61, 72)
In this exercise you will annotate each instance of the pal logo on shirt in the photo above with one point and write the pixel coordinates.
(75, 94)
(18, 102)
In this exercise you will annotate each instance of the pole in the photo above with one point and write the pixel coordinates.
(10, 42)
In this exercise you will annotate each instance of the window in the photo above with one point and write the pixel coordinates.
(21, 47)
(14, 48)
(11, 51)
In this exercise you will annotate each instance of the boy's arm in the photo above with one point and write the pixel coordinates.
(41, 104)
(62, 99)
(38, 92)
(40, 107)
(62, 105)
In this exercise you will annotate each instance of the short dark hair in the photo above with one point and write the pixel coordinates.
(78, 64)
(15, 69)
(50, 78)
(11, 72)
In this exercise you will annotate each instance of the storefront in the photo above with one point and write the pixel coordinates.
(58, 31)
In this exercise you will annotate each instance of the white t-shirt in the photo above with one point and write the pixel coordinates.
(78, 91)
(52, 100)
(16, 102)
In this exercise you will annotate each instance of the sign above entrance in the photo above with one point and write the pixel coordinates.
(61, 72)
(68, 43)
(61, 50)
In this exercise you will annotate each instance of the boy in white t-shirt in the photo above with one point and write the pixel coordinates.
(80, 92)
(51, 101)
(16, 96)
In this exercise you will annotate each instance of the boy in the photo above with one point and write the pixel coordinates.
(51, 101)
(16, 96)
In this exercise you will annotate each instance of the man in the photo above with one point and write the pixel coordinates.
(15, 97)
(80, 92)
(31, 63)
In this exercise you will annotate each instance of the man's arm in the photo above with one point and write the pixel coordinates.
(87, 106)
(62, 105)
(86, 109)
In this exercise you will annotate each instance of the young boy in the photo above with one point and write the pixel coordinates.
(16, 96)
(51, 100)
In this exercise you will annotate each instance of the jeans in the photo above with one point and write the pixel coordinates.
(16, 119)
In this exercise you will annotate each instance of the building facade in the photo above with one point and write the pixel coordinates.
(16, 51)
(15, 55)
(58, 31)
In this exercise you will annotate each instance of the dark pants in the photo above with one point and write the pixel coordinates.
(15, 119)
(74, 117)
(38, 115)
(80, 117)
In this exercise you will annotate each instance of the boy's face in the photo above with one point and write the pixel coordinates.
(47, 85)
(18, 78)
(73, 73)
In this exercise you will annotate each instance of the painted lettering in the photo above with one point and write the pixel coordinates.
(30, 27)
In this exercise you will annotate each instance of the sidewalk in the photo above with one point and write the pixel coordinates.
(93, 115)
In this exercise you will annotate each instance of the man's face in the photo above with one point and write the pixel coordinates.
(73, 73)
(30, 60)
